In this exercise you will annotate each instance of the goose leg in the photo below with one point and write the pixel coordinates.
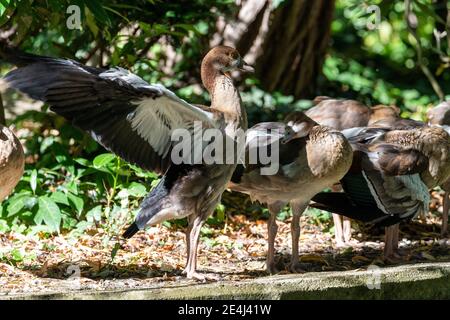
(192, 236)
(395, 236)
(347, 230)
(387, 242)
(446, 205)
(338, 231)
(391, 243)
(297, 210)
(272, 229)
(341, 227)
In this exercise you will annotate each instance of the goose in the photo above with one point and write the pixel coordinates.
(137, 121)
(311, 158)
(391, 173)
(343, 114)
(440, 115)
(12, 161)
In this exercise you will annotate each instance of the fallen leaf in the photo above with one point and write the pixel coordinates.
(357, 259)
(313, 258)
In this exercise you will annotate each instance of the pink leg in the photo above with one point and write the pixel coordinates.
(338, 231)
(391, 243)
(342, 225)
(192, 237)
(272, 229)
(347, 230)
(297, 210)
(446, 205)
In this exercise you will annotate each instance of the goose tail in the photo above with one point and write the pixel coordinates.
(150, 207)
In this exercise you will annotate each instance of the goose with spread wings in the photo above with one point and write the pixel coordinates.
(136, 120)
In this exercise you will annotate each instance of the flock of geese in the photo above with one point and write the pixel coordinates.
(379, 166)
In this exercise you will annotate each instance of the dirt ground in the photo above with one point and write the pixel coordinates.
(156, 257)
(233, 251)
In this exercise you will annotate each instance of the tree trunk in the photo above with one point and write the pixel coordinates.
(286, 44)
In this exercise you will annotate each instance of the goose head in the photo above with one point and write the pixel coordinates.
(385, 113)
(440, 114)
(222, 60)
(300, 126)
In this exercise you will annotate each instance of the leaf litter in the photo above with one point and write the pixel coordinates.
(233, 250)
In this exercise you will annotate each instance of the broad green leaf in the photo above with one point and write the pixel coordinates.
(137, 190)
(33, 180)
(76, 202)
(95, 214)
(30, 202)
(72, 187)
(16, 203)
(3, 226)
(83, 162)
(49, 213)
(102, 160)
(60, 197)
(61, 153)
(17, 255)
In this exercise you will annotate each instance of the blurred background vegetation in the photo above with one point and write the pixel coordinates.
(388, 52)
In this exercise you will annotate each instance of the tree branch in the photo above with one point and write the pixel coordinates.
(411, 29)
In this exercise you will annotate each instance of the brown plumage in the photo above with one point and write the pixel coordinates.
(440, 115)
(391, 174)
(12, 161)
(311, 159)
(138, 121)
(342, 114)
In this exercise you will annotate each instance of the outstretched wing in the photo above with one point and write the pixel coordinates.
(120, 110)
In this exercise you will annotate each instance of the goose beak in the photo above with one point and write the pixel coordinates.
(244, 66)
(288, 137)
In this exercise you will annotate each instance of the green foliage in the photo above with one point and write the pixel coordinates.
(380, 65)
(72, 185)
(63, 190)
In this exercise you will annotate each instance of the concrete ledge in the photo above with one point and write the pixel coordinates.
(419, 281)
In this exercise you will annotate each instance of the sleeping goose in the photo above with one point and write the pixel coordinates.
(12, 161)
(391, 174)
(137, 121)
(311, 158)
(440, 115)
(343, 114)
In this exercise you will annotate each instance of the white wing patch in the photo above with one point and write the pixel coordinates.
(353, 132)
(419, 190)
(154, 121)
(374, 193)
(409, 189)
(156, 118)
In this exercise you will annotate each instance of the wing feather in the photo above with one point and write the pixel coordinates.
(120, 110)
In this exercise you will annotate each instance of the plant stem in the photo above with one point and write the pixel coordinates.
(436, 87)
